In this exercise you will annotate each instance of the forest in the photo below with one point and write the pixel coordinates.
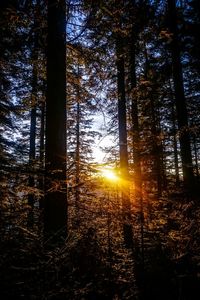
(125, 75)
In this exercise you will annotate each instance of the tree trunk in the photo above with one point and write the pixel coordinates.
(182, 116)
(156, 146)
(31, 180)
(175, 146)
(32, 149)
(55, 204)
(125, 190)
(136, 137)
(42, 132)
(77, 192)
(196, 158)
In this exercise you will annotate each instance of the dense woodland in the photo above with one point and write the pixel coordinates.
(67, 231)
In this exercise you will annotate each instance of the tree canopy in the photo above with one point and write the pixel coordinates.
(75, 74)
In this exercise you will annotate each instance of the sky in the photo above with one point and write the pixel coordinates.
(100, 125)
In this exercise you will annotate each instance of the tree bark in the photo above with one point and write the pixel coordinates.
(125, 190)
(77, 192)
(175, 146)
(32, 145)
(136, 136)
(55, 204)
(180, 101)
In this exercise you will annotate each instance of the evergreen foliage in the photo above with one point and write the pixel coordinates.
(67, 231)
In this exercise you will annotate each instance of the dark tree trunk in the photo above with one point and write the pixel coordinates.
(156, 149)
(77, 192)
(136, 136)
(42, 150)
(182, 116)
(32, 130)
(31, 197)
(175, 146)
(156, 146)
(42, 132)
(128, 236)
(55, 204)
(196, 158)
(32, 149)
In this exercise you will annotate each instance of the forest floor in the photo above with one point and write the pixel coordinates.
(82, 272)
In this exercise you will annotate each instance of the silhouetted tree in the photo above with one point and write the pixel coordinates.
(55, 205)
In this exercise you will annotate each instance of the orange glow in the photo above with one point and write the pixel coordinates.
(109, 174)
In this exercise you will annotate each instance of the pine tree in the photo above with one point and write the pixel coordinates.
(123, 148)
(181, 106)
(55, 205)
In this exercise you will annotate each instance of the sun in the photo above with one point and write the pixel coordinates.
(109, 174)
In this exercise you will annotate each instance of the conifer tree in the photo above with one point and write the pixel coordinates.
(181, 106)
(55, 205)
(123, 148)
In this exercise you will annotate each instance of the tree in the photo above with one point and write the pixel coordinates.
(33, 112)
(122, 125)
(135, 130)
(55, 203)
(180, 101)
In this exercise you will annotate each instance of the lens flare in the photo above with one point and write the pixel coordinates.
(109, 174)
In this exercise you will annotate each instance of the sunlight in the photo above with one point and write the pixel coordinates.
(109, 174)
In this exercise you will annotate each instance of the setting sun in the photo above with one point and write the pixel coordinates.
(109, 174)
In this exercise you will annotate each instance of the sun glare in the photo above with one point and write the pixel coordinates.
(109, 174)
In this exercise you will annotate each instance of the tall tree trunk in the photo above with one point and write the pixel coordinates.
(42, 150)
(156, 148)
(77, 192)
(32, 149)
(182, 115)
(125, 190)
(136, 136)
(175, 146)
(196, 158)
(55, 204)
(31, 180)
